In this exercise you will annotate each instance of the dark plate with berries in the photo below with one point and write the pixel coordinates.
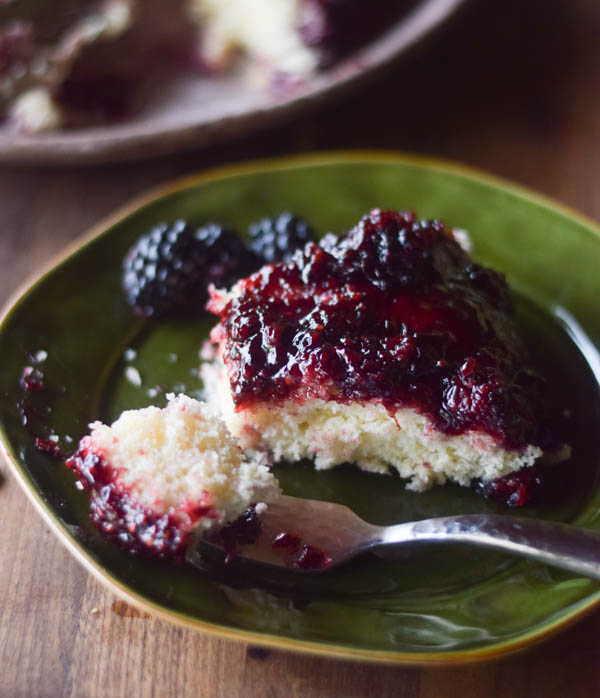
(108, 109)
(123, 341)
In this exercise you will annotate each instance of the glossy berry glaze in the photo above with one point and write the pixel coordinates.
(287, 543)
(120, 517)
(394, 312)
(311, 558)
(514, 490)
(245, 530)
(298, 554)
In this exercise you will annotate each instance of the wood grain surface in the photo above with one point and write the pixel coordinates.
(511, 86)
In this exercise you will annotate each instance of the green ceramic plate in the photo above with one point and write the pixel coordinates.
(436, 604)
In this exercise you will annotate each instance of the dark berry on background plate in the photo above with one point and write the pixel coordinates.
(276, 238)
(174, 263)
(336, 27)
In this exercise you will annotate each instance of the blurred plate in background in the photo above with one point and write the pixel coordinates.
(196, 110)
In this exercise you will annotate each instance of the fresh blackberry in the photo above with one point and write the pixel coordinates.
(174, 261)
(227, 258)
(275, 239)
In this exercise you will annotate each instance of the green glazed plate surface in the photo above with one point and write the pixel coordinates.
(434, 605)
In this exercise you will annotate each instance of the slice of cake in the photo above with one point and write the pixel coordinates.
(388, 348)
(157, 475)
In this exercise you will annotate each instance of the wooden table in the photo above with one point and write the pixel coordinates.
(513, 87)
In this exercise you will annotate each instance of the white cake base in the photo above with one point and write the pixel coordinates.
(331, 433)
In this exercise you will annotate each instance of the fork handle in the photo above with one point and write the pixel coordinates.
(559, 545)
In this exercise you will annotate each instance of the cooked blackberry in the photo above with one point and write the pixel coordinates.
(173, 261)
(513, 490)
(275, 239)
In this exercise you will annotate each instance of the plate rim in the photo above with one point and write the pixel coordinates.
(75, 147)
(496, 650)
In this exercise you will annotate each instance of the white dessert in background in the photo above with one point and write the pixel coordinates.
(35, 111)
(267, 30)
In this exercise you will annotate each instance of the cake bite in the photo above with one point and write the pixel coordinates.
(389, 348)
(157, 475)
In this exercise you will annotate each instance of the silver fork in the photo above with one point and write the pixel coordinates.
(334, 534)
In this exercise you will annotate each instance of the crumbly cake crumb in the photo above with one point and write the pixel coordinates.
(180, 459)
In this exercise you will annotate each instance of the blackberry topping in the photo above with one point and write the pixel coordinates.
(394, 311)
(120, 517)
(275, 239)
(173, 263)
(514, 490)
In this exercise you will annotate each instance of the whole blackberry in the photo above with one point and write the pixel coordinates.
(227, 258)
(174, 262)
(276, 238)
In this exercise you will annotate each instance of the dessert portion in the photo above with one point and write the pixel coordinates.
(388, 348)
(72, 62)
(157, 475)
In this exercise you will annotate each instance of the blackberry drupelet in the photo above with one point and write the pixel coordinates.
(276, 238)
(174, 261)
(227, 258)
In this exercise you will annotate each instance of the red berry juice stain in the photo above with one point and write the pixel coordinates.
(245, 530)
(32, 380)
(298, 554)
(312, 558)
(33, 414)
(48, 446)
(287, 542)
